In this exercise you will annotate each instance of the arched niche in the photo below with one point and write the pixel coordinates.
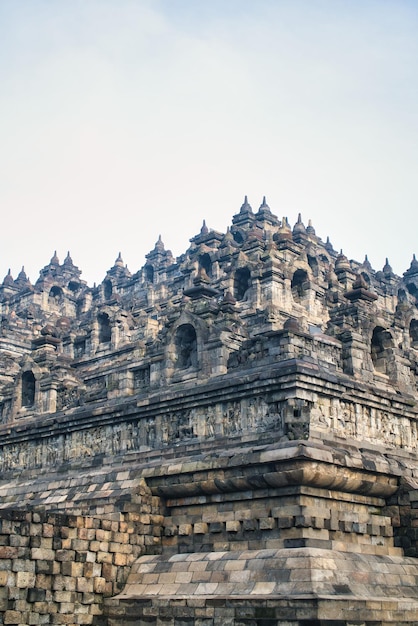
(241, 283)
(28, 389)
(107, 289)
(149, 273)
(381, 349)
(186, 346)
(74, 286)
(313, 264)
(299, 284)
(238, 237)
(402, 297)
(105, 332)
(205, 263)
(412, 289)
(413, 333)
(56, 295)
(79, 347)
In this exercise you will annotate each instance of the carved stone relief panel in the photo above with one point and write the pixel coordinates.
(349, 419)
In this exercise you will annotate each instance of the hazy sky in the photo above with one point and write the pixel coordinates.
(124, 119)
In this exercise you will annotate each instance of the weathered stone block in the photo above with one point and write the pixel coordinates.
(84, 585)
(42, 554)
(200, 528)
(120, 559)
(8, 552)
(99, 585)
(14, 617)
(25, 580)
(267, 523)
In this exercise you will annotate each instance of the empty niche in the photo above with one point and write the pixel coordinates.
(402, 297)
(186, 346)
(241, 282)
(381, 347)
(105, 332)
(55, 295)
(4, 410)
(313, 264)
(141, 378)
(413, 333)
(149, 273)
(81, 305)
(412, 289)
(299, 284)
(238, 238)
(205, 263)
(107, 289)
(79, 348)
(74, 286)
(28, 389)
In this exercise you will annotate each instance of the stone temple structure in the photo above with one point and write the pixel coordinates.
(230, 437)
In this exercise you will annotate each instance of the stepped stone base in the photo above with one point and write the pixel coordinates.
(269, 587)
(303, 611)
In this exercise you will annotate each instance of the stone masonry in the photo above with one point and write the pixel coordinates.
(229, 437)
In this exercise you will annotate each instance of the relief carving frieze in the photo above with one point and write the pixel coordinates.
(251, 415)
(350, 419)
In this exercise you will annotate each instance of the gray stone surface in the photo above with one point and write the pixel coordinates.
(248, 411)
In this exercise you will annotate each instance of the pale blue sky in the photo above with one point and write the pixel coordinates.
(124, 119)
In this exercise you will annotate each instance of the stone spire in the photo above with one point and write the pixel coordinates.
(413, 268)
(264, 210)
(299, 227)
(119, 269)
(8, 279)
(265, 215)
(342, 263)
(299, 230)
(310, 230)
(22, 279)
(52, 270)
(119, 261)
(68, 260)
(328, 246)
(159, 245)
(69, 270)
(367, 264)
(159, 256)
(245, 218)
(246, 207)
(228, 243)
(387, 269)
(284, 232)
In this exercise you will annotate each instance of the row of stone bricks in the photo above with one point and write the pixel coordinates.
(269, 523)
(278, 528)
(249, 505)
(355, 546)
(57, 569)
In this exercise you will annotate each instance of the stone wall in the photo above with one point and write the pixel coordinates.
(215, 535)
(58, 569)
(229, 437)
(297, 534)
